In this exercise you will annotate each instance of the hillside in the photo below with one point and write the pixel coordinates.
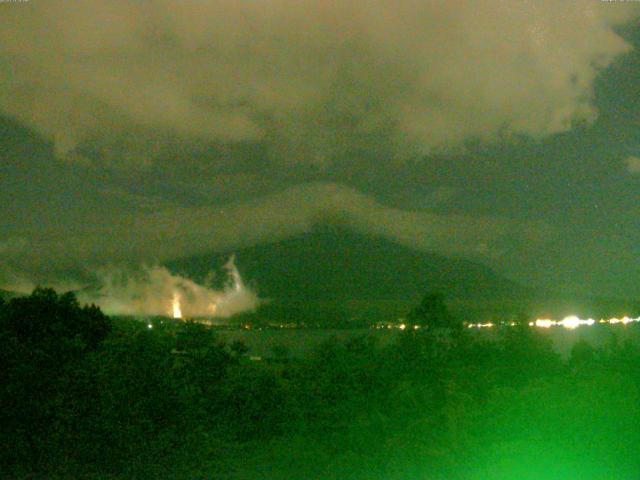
(331, 268)
(334, 263)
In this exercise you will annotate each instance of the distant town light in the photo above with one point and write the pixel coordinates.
(545, 323)
(480, 325)
(571, 322)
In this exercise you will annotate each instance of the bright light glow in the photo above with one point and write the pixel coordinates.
(402, 326)
(480, 325)
(545, 323)
(571, 322)
(177, 311)
(149, 326)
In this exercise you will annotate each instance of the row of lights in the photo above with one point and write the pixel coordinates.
(400, 326)
(570, 322)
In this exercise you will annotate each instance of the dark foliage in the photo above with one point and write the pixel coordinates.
(42, 337)
(433, 312)
(82, 400)
(45, 317)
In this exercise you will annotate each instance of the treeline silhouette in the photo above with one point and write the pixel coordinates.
(85, 396)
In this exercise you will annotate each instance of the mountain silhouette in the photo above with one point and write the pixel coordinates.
(333, 265)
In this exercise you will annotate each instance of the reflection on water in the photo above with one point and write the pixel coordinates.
(300, 342)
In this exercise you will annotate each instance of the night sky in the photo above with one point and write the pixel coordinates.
(503, 132)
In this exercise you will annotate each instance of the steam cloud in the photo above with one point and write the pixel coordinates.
(152, 291)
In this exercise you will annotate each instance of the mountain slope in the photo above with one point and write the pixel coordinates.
(334, 265)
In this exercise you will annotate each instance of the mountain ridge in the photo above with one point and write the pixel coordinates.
(332, 265)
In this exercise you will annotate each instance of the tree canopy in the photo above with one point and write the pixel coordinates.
(47, 317)
(432, 312)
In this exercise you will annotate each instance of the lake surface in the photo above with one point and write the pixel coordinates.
(301, 342)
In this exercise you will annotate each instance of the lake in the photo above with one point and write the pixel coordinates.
(300, 342)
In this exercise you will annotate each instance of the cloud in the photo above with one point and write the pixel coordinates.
(311, 81)
(171, 233)
(217, 100)
(633, 165)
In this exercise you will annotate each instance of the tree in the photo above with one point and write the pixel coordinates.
(433, 313)
(43, 337)
(281, 353)
(44, 317)
(239, 348)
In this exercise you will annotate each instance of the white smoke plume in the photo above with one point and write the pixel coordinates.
(156, 291)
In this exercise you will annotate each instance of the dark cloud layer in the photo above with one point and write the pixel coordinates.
(170, 233)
